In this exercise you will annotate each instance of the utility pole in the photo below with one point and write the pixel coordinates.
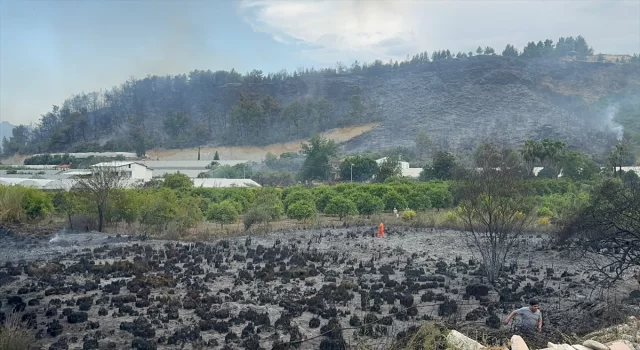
(351, 172)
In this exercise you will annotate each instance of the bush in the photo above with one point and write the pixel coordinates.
(223, 213)
(297, 195)
(408, 215)
(322, 195)
(440, 197)
(302, 210)
(177, 181)
(418, 200)
(341, 207)
(544, 211)
(366, 203)
(19, 204)
(451, 217)
(36, 203)
(544, 221)
(392, 200)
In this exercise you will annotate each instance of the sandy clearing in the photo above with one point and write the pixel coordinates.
(256, 153)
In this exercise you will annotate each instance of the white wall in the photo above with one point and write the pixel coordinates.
(139, 172)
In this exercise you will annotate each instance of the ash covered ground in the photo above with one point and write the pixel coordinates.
(99, 291)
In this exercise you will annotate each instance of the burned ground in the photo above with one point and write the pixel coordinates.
(91, 291)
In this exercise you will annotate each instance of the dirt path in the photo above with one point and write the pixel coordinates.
(339, 135)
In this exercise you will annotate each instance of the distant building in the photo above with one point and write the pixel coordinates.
(403, 165)
(190, 168)
(134, 171)
(216, 183)
(405, 169)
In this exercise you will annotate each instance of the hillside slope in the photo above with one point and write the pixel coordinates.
(457, 102)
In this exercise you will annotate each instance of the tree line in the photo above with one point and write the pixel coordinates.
(227, 107)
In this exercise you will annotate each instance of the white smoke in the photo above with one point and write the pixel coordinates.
(610, 113)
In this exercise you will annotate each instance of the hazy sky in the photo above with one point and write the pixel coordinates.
(52, 49)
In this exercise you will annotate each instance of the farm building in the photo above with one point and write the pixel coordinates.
(130, 170)
(191, 168)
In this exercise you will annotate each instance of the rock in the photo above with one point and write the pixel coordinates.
(580, 347)
(77, 317)
(517, 343)
(458, 340)
(594, 345)
(619, 345)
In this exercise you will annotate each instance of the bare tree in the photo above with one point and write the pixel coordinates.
(609, 228)
(495, 207)
(99, 188)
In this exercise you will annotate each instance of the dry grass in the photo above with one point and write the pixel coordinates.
(11, 205)
(14, 336)
(629, 331)
(257, 153)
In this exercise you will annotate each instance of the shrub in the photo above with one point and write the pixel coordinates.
(392, 200)
(451, 217)
(418, 200)
(222, 213)
(19, 204)
(408, 215)
(322, 195)
(440, 197)
(341, 207)
(36, 203)
(544, 221)
(302, 210)
(544, 212)
(366, 203)
(298, 195)
(177, 181)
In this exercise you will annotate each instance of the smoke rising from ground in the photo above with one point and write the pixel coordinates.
(610, 114)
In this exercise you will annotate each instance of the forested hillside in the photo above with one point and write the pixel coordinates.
(547, 91)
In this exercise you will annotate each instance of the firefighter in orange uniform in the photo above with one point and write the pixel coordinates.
(381, 230)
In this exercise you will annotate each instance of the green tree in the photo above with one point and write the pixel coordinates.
(296, 196)
(177, 181)
(479, 50)
(322, 195)
(510, 51)
(302, 210)
(442, 167)
(389, 168)
(361, 167)
(223, 213)
(367, 204)
(577, 166)
(393, 200)
(216, 156)
(418, 200)
(319, 151)
(440, 197)
(157, 210)
(268, 207)
(341, 207)
(489, 50)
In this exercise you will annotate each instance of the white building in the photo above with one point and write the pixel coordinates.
(405, 170)
(214, 183)
(403, 165)
(135, 171)
(190, 168)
